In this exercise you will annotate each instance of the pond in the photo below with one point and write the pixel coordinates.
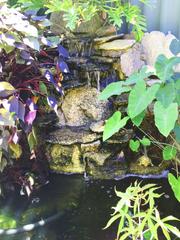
(74, 209)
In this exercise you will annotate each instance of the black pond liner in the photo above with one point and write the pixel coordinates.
(84, 207)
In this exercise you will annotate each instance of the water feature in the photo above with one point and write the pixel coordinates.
(84, 207)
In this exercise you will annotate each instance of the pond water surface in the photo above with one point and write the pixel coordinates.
(80, 208)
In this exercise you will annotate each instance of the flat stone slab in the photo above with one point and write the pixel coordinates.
(69, 136)
(101, 40)
(117, 45)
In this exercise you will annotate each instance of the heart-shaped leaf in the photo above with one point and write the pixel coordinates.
(175, 185)
(113, 125)
(164, 67)
(165, 118)
(114, 88)
(169, 152)
(138, 119)
(140, 98)
(134, 145)
(145, 141)
(138, 76)
(166, 94)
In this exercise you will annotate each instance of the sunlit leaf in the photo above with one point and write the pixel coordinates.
(134, 145)
(113, 125)
(16, 149)
(165, 118)
(175, 185)
(140, 98)
(115, 88)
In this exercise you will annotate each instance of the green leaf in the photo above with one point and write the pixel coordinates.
(115, 88)
(165, 118)
(6, 118)
(32, 42)
(164, 67)
(16, 149)
(112, 219)
(43, 88)
(169, 152)
(138, 119)
(7, 222)
(166, 94)
(140, 98)
(177, 132)
(175, 185)
(113, 125)
(32, 141)
(145, 141)
(175, 46)
(138, 76)
(134, 145)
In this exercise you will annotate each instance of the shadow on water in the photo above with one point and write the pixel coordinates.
(85, 208)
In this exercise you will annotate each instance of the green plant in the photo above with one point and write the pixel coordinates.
(175, 185)
(163, 96)
(26, 84)
(138, 216)
(77, 11)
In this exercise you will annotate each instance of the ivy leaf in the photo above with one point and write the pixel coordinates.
(145, 141)
(164, 67)
(113, 125)
(114, 88)
(169, 152)
(165, 118)
(175, 46)
(166, 94)
(175, 185)
(140, 98)
(134, 145)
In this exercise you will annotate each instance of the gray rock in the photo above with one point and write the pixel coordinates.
(69, 136)
(81, 106)
(97, 127)
(131, 60)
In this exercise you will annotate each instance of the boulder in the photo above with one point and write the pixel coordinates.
(156, 43)
(81, 106)
(131, 61)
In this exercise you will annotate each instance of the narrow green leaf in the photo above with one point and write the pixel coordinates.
(165, 118)
(175, 185)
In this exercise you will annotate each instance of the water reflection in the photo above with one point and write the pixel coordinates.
(85, 208)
